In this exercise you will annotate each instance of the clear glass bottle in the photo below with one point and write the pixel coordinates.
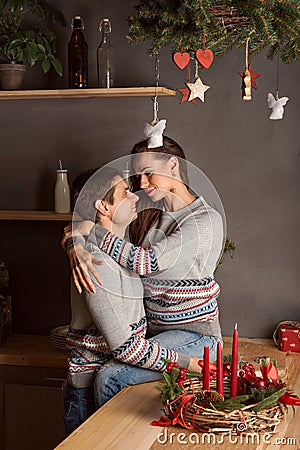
(105, 56)
(77, 56)
(62, 192)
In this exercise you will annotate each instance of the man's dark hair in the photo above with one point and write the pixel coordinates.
(99, 185)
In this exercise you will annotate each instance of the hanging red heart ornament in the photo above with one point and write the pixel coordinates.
(205, 57)
(181, 59)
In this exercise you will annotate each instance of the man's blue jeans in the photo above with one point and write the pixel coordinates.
(114, 376)
(79, 404)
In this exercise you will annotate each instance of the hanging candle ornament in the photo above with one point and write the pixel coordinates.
(252, 75)
(246, 77)
(275, 103)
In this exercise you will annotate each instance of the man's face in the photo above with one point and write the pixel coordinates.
(123, 210)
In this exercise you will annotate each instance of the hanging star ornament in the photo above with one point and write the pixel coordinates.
(197, 90)
(185, 92)
(252, 75)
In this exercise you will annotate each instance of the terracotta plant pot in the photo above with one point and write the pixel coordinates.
(11, 75)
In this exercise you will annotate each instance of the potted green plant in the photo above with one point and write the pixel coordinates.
(25, 36)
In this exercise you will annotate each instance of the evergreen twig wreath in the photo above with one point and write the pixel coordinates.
(226, 24)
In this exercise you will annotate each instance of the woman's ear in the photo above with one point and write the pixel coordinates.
(101, 207)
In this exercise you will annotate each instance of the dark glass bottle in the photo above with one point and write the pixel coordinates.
(105, 56)
(77, 56)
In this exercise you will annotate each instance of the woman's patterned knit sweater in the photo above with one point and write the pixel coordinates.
(177, 262)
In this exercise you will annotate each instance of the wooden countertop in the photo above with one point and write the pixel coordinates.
(32, 350)
(125, 421)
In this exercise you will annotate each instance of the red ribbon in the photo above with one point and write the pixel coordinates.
(186, 400)
(269, 371)
(289, 399)
(162, 422)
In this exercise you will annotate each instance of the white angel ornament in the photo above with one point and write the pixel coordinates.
(276, 104)
(154, 133)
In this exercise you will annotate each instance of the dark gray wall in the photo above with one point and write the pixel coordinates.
(252, 161)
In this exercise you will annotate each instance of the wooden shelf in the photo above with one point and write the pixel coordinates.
(32, 350)
(34, 215)
(87, 93)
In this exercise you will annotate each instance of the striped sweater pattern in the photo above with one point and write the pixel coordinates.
(171, 302)
(88, 350)
(167, 302)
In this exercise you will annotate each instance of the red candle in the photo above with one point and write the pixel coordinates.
(234, 364)
(205, 370)
(220, 383)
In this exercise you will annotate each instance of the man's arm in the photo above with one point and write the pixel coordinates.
(127, 342)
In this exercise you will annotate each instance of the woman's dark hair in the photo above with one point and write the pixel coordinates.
(148, 215)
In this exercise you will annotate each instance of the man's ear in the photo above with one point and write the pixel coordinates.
(174, 164)
(101, 207)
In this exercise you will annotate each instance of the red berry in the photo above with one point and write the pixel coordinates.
(261, 384)
(241, 373)
(175, 364)
(225, 373)
(180, 382)
(183, 377)
(227, 367)
(182, 371)
(169, 367)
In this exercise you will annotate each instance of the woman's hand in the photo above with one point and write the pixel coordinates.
(196, 365)
(82, 264)
(82, 228)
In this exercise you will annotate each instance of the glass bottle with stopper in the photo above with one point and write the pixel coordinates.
(105, 56)
(77, 56)
(62, 191)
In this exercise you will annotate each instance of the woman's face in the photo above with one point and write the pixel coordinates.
(156, 176)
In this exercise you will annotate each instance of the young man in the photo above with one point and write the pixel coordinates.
(110, 323)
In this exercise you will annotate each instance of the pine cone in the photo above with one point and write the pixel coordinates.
(208, 398)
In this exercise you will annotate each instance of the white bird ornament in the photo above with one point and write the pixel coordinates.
(276, 104)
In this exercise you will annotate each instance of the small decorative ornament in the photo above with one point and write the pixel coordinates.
(205, 57)
(252, 75)
(276, 104)
(154, 133)
(185, 92)
(246, 76)
(197, 89)
(181, 59)
(246, 86)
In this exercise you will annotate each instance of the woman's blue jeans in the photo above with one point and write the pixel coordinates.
(114, 376)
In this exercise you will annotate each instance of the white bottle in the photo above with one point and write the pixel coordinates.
(62, 192)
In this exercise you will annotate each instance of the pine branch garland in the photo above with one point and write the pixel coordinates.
(224, 23)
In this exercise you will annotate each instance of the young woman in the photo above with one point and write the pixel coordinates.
(181, 241)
